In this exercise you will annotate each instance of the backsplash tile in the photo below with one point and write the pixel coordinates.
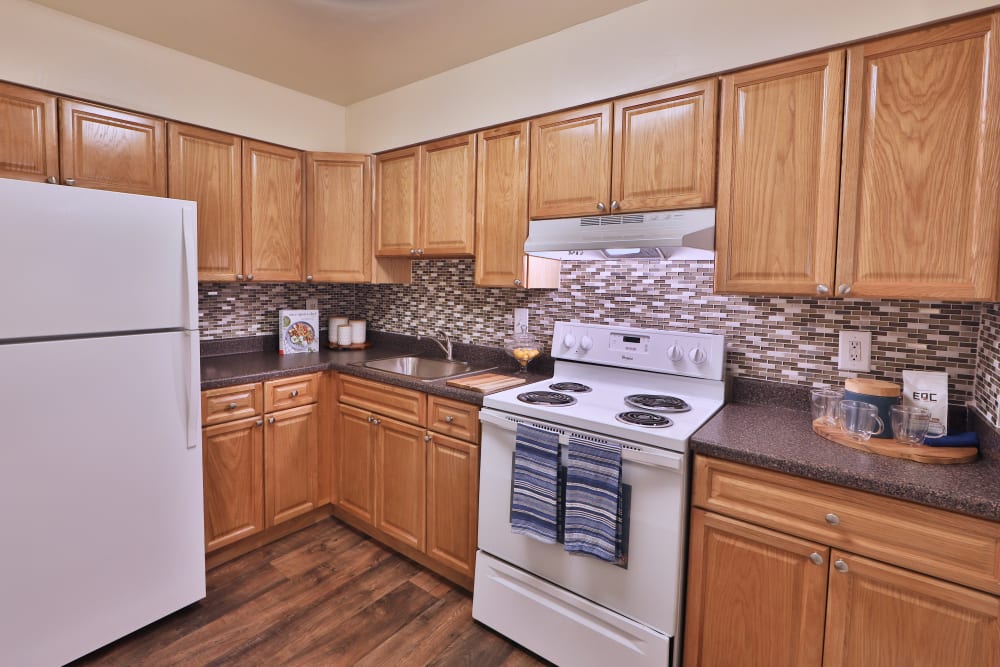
(988, 372)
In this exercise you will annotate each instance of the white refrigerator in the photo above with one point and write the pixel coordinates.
(100, 438)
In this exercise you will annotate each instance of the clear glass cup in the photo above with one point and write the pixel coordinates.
(859, 420)
(825, 402)
(910, 423)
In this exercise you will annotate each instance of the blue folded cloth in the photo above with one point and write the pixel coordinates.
(593, 478)
(534, 500)
(969, 439)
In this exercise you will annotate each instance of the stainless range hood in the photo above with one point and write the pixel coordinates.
(687, 234)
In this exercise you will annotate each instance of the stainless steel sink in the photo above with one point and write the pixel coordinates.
(422, 368)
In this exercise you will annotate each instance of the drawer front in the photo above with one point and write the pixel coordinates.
(229, 403)
(290, 392)
(951, 546)
(403, 404)
(454, 418)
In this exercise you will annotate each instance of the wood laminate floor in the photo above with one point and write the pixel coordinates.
(326, 595)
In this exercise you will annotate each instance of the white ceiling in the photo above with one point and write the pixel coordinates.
(339, 50)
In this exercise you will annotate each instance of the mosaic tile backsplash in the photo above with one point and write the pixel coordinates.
(790, 340)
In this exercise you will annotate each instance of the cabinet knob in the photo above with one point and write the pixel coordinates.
(600, 206)
(239, 276)
(260, 422)
(371, 419)
(231, 406)
(413, 251)
(270, 420)
(517, 282)
(832, 519)
(309, 278)
(614, 204)
(822, 289)
(428, 437)
(816, 558)
(448, 419)
(420, 251)
(840, 565)
(70, 181)
(376, 421)
(51, 180)
(294, 393)
(844, 289)
(249, 276)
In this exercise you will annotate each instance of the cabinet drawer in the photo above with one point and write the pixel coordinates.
(454, 418)
(945, 544)
(404, 404)
(228, 403)
(290, 392)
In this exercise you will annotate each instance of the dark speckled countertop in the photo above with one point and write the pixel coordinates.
(760, 433)
(239, 361)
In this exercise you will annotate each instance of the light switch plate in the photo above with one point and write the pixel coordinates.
(520, 320)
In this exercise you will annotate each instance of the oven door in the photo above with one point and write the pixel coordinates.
(648, 589)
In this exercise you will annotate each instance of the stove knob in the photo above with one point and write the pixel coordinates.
(698, 356)
(675, 353)
(586, 343)
(569, 341)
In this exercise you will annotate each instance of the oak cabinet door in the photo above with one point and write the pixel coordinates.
(338, 217)
(29, 139)
(663, 153)
(452, 502)
(754, 596)
(206, 167)
(397, 202)
(779, 164)
(355, 468)
(882, 616)
(272, 212)
(107, 149)
(571, 163)
(921, 178)
(233, 462)
(400, 481)
(447, 218)
(290, 466)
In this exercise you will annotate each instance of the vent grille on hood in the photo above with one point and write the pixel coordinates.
(604, 220)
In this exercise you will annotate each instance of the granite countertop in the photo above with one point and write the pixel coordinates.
(781, 438)
(227, 363)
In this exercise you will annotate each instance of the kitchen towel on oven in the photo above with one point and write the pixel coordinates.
(593, 475)
(534, 499)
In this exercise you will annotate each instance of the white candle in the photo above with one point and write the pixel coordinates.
(357, 331)
(334, 323)
(343, 335)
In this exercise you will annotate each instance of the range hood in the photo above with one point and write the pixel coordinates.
(687, 234)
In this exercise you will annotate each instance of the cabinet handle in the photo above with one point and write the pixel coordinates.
(294, 393)
(840, 565)
(260, 422)
(448, 419)
(832, 519)
(370, 419)
(614, 204)
(413, 251)
(309, 278)
(249, 276)
(816, 558)
(270, 420)
(376, 421)
(51, 180)
(420, 251)
(231, 406)
(600, 206)
(822, 289)
(70, 181)
(428, 437)
(844, 289)
(517, 282)
(239, 276)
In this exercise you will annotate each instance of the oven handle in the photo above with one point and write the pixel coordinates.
(660, 458)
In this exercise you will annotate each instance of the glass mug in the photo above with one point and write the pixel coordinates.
(859, 420)
(910, 423)
(825, 402)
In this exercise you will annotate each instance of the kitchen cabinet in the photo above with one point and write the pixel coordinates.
(900, 583)
(452, 502)
(29, 139)
(400, 481)
(355, 467)
(272, 212)
(108, 149)
(290, 466)
(502, 213)
(207, 167)
(339, 223)
(425, 200)
(660, 154)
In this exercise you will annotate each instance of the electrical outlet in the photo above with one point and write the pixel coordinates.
(520, 320)
(312, 304)
(855, 351)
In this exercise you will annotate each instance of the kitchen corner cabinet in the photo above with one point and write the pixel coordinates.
(272, 212)
(425, 200)
(29, 139)
(108, 149)
(787, 571)
(502, 213)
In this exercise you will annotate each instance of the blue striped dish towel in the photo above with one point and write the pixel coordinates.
(593, 476)
(533, 502)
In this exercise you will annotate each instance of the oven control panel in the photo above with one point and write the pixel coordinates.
(662, 350)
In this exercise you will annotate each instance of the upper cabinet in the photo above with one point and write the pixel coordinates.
(502, 213)
(425, 200)
(779, 165)
(921, 181)
(206, 167)
(272, 212)
(646, 152)
(29, 144)
(107, 149)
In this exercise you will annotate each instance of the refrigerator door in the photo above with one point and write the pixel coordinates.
(102, 494)
(77, 261)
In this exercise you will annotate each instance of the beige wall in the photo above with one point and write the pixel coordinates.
(54, 51)
(646, 45)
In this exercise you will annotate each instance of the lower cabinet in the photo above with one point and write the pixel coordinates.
(233, 470)
(400, 481)
(290, 469)
(452, 502)
(760, 595)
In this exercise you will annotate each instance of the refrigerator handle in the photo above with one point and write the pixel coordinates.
(189, 223)
(193, 372)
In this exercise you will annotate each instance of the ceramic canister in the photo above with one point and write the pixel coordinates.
(883, 395)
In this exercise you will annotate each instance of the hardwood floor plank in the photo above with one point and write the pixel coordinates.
(432, 583)
(476, 647)
(308, 556)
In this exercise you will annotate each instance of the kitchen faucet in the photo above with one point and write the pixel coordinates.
(446, 345)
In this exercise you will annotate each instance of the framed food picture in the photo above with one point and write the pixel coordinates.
(298, 331)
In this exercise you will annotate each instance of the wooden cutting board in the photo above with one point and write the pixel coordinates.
(486, 383)
(899, 450)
